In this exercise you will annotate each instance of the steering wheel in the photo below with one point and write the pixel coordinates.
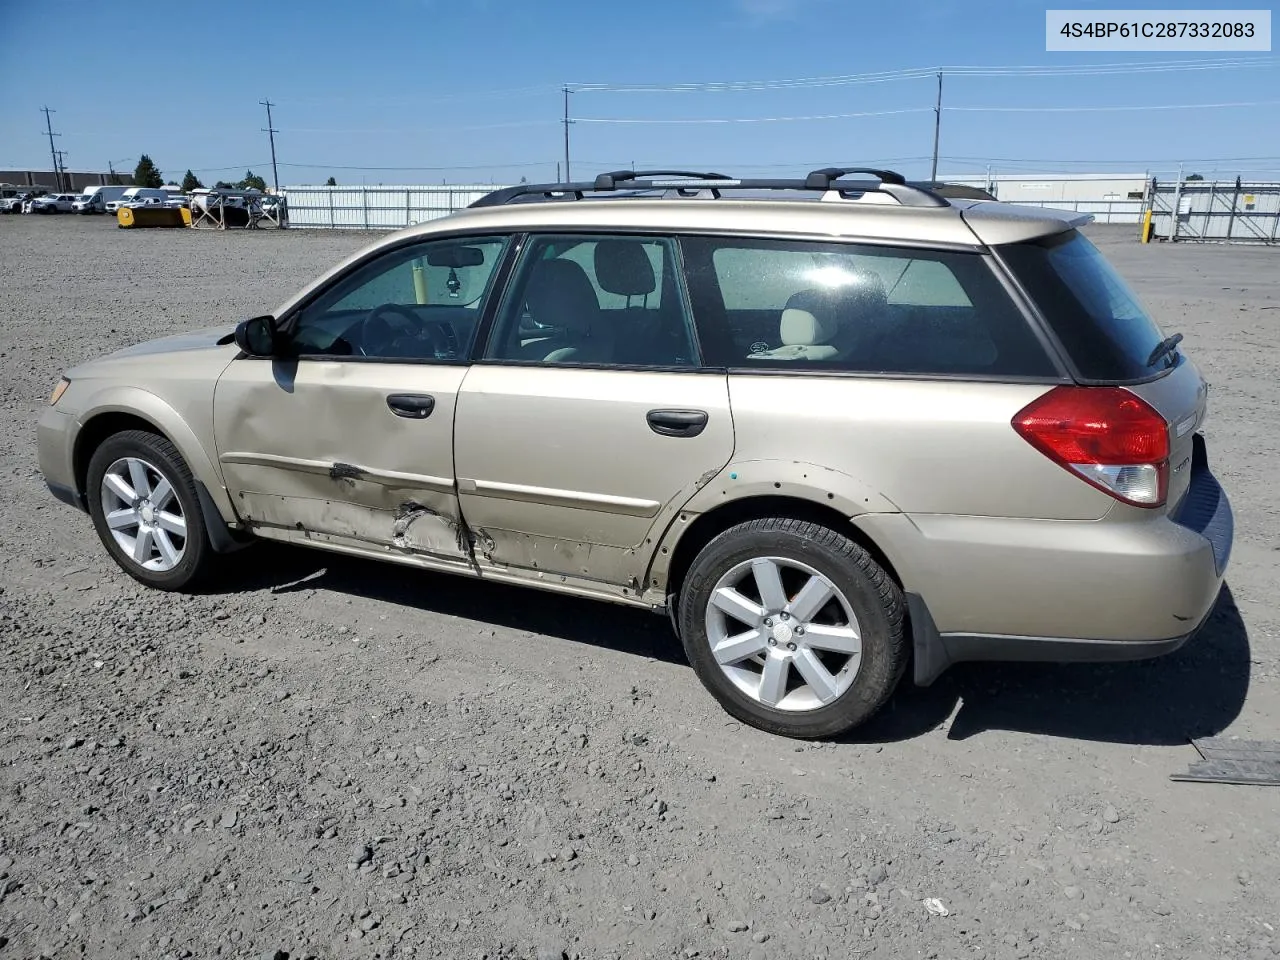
(389, 323)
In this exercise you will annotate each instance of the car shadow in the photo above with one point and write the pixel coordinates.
(1197, 691)
(283, 569)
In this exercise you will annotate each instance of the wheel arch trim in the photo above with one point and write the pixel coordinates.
(145, 406)
(751, 489)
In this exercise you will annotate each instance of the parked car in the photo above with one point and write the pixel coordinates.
(828, 440)
(134, 194)
(54, 203)
(14, 204)
(95, 199)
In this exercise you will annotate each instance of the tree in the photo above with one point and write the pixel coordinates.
(252, 181)
(1195, 176)
(222, 185)
(331, 182)
(191, 182)
(147, 174)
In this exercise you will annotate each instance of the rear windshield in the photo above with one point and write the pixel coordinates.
(1104, 329)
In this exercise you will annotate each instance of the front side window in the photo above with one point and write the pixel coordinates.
(791, 305)
(420, 302)
(611, 301)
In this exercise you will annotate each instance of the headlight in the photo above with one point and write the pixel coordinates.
(59, 390)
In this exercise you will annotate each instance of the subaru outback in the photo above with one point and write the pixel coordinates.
(831, 427)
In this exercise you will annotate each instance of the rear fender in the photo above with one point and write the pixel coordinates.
(745, 479)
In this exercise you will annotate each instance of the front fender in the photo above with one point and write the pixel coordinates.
(134, 401)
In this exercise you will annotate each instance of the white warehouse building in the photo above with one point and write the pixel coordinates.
(1110, 197)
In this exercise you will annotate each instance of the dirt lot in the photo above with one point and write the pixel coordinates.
(333, 758)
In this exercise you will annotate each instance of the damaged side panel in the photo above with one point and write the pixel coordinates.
(313, 450)
(413, 521)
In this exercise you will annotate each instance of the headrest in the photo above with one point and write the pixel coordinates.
(803, 328)
(561, 295)
(814, 316)
(623, 267)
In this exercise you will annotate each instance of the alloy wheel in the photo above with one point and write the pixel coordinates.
(143, 514)
(784, 634)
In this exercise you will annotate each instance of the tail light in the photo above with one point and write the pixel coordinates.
(1108, 436)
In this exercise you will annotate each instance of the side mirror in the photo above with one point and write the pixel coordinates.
(257, 336)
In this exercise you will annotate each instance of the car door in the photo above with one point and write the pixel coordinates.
(346, 436)
(589, 421)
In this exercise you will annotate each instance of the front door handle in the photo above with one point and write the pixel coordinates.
(677, 423)
(414, 406)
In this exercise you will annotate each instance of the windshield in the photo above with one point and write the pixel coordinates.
(1097, 318)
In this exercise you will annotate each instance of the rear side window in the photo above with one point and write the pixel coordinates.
(1100, 322)
(801, 305)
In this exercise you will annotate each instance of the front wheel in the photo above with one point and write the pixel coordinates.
(793, 627)
(143, 501)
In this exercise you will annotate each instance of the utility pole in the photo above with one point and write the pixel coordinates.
(62, 172)
(271, 134)
(567, 121)
(937, 128)
(48, 126)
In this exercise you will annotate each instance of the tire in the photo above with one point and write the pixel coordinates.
(171, 560)
(823, 666)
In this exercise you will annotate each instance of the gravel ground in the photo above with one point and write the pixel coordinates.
(332, 758)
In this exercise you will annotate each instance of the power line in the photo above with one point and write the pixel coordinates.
(505, 94)
(918, 73)
(937, 108)
(1141, 160)
(817, 116)
(476, 166)
(1108, 108)
(452, 128)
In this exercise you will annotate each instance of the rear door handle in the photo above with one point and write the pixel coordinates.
(414, 406)
(677, 423)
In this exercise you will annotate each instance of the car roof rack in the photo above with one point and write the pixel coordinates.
(828, 181)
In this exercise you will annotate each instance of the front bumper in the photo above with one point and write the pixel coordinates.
(55, 453)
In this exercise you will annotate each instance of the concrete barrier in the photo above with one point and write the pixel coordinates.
(153, 217)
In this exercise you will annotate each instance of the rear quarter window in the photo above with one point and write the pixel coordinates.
(1101, 324)
(802, 305)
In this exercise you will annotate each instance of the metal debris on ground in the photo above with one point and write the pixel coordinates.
(1253, 762)
(936, 907)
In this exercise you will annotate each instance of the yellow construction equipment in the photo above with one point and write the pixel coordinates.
(153, 217)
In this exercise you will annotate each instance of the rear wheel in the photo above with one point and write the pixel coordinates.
(793, 627)
(144, 506)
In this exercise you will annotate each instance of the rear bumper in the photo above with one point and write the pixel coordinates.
(1131, 586)
(935, 652)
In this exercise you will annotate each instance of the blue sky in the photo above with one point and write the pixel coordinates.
(469, 90)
